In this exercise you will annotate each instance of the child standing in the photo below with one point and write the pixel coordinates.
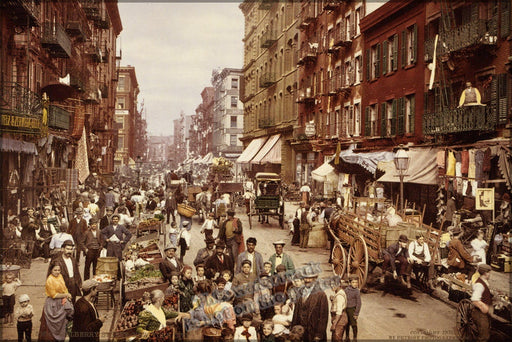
(338, 315)
(267, 328)
(9, 296)
(24, 313)
(199, 274)
(173, 234)
(208, 225)
(353, 305)
(246, 332)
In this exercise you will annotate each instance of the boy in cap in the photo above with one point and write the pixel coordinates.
(482, 300)
(23, 315)
(353, 305)
(246, 332)
(397, 251)
(86, 321)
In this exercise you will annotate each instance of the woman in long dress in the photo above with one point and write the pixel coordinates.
(58, 308)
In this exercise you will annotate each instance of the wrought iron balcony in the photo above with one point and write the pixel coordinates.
(342, 38)
(103, 21)
(476, 33)
(306, 95)
(331, 85)
(76, 28)
(58, 117)
(104, 55)
(331, 5)
(463, 119)
(91, 8)
(76, 80)
(265, 5)
(104, 91)
(56, 40)
(20, 108)
(308, 14)
(23, 12)
(92, 49)
(268, 39)
(267, 79)
(308, 53)
(265, 123)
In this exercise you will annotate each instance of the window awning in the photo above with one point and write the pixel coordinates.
(270, 152)
(12, 145)
(422, 168)
(323, 172)
(251, 150)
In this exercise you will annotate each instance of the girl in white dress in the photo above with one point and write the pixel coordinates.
(479, 246)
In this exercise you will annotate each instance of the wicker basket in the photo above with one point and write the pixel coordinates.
(186, 210)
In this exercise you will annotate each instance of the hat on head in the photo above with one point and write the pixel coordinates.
(24, 298)
(185, 223)
(310, 272)
(279, 242)
(220, 244)
(403, 238)
(68, 243)
(93, 220)
(79, 211)
(209, 240)
(89, 284)
(484, 268)
(170, 247)
(247, 261)
(221, 280)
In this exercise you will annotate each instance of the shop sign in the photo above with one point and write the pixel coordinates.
(484, 199)
(20, 124)
(310, 130)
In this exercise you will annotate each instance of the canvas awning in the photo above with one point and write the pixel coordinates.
(270, 152)
(422, 168)
(323, 172)
(12, 145)
(251, 150)
(350, 162)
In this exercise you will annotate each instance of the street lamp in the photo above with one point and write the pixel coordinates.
(139, 165)
(401, 164)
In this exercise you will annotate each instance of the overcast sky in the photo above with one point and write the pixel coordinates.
(174, 47)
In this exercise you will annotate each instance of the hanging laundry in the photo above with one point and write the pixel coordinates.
(441, 159)
(471, 167)
(465, 162)
(479, 163)
(486, 165)
(450, 169)
(458, 174)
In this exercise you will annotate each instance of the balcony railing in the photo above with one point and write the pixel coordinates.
(308, 53)
(103, 21)
(265, 123)
(76, 80)
(463, 119)
(76, 28)
(308, 14)
(91, 9)
(331, 5)
(92, 49)
(267, 79)
(306, 95)
(58, 117)
(477, 32)
(265, 5)
(23, 12)
(268, 39)
(20, 108)
(56, 40)
(342, 38)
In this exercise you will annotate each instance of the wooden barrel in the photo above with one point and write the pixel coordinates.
(107, 265)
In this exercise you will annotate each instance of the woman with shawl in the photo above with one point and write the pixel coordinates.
(58, 309)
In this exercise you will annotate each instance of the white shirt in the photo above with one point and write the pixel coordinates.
(279, 259)
(250, 257)
(478, 290)
(69, 266)
(414, 247)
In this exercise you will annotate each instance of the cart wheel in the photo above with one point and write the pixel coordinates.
(358, 260)
(339, 260)
(466, 328)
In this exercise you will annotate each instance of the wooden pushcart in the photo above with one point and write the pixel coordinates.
(358, 242)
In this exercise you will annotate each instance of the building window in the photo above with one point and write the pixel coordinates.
(357, 20)
(410, 109)
(233, 121)
(234, 83)
(390, 54)
(339, 123)
(348, 116)
(388, 118)
(233, 139)
(120, 142)
(358, 69)
(234, 101)
(409, 45)
(370, 121)
(373, 62)
(120, 103)
(121, 83)
(348, 27)
(357, 119)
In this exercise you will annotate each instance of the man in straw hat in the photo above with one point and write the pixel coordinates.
(281, 258)
(312, 308)
(397, 252)
(482, 300)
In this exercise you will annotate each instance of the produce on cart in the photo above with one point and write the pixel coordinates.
(149, 226)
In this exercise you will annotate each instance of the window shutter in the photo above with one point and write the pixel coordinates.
(414, 43)
(505, 19)
(385, 49)
(383, 119)
(377, 61)
(502, 99)
(403, 48)
(394, 65)
(368, 65)
(343, 71)
(412, 113)
(352, 71)
(400, 114)
(360, 67)
(393, 117)
(367, 126)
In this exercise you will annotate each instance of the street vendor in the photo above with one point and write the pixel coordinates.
(398, 251)
(170, 264)
(482, 300)
(458, 257)
(154, 316)
(116, 236)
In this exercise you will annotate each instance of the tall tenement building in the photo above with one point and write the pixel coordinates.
(57, 92)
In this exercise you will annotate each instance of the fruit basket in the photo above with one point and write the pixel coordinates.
(186, 210)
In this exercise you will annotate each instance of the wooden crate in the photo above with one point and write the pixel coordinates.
(137, 293)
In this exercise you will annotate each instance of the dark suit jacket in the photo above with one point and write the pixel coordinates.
(313, 315)
(213, 265)
(392, 250)
(166, 267)
(74, 289)
(88, 239)
(104, 222)
(77, 230)
(86, 325)
(457, 250)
